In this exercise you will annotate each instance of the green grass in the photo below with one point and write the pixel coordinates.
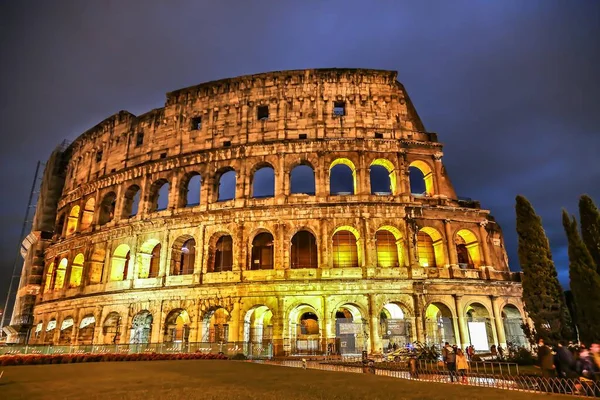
(208, 380)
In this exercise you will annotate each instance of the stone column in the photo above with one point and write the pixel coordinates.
(280, 178)
(498, 323)
(174, 192)
(375, 342)
(463, 337)
(484, 244)
(362, 183)
(418, 319)
(437, 173)
(453, 257)
(326, 329)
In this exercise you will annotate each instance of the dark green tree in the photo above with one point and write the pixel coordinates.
(585, 284)
(542, 294)
(590, 228)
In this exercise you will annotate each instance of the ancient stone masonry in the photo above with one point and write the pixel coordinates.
(340, 230)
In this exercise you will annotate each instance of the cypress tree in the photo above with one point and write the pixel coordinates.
(585, 284)
(590, 228)
(542, 294)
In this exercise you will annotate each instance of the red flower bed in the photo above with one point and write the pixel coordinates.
(35, 359)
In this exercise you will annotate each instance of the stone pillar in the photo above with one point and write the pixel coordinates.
(375, 342)
(362, 183)
(323, 245)
(166, 247)
(498, 322)
(281, 246)
(239, 253)
(418, 319)
(174, 192)
(326, 328)
(484, 244)
(437, 173)
(463, 338)
(453, 257)
(280, 177)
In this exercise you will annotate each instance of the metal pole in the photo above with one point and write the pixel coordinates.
(21, 236)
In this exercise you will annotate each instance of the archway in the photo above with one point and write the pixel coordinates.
(421, 178)
(388, 243)
(50, 275)
(226, 185)
(111, 329)
(467, 249)
(263, 182)
(304, 250)
(159, 195)
(86, 330)
(350, 334)
(342, 177)
(479, 325)
(215, 326)
(394, 329)
(305, 333)
(131, 205)
(513, 326)
(302, 180)
(107, 208)
(141, 328)
(222, 257)
(177, 327)
(430, 248)
(66, 331)
(183, 255)
(76, 271)
(119, 264)
(72, 221)
(258, 330)
(61, 271)
(50, 329)
(191, 187)
(148, 259)
(88, 213)
(262, 252)
(345, 248)
(439, 325)
(383, 177)
(96, 264)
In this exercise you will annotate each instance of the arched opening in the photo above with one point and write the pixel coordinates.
(61, 271)
(107, 208)
(177, 327)
(60, 224)
(66, 331)
(216, 326)
(513, 326)
(393, 327)
(305, 330)
(383, 177)
(111, 329)
(190, 190)
(50, 275)
(467, 249)
(76, 271)
(48, 337)
(148, 259)
(479, 325)
(96, 264)
(36, 333)
(141, 328)
(223, 255)
(263, 182)
(183, 255)
(388, 242)
(304, 250)
(439, 327)
(302, 180)
(131, 205)
(350, 333)
(88, 213)
(86, 330)
(119, 264)
(421, 178)
(159, 195)
(345, 249)
(73, 220)
(258, 330)
(226, 186)
(262, 252)
(430, 248)
(342, 177)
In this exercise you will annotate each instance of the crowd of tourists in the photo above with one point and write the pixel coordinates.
(569, 361)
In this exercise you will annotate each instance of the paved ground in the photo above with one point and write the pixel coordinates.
(209, 379)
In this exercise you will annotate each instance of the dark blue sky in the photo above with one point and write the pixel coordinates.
(511, 87)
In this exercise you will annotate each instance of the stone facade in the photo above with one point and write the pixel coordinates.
(304, 270)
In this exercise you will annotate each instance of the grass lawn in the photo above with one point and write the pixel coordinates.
(210, 379)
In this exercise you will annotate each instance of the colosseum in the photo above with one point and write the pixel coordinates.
(289, 212)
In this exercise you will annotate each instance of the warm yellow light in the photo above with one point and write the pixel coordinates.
(390, 168)
(427, 175)
(350, 165)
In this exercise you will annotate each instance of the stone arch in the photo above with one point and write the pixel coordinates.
(215, 325)
(512, 321)
(479, 325)
(467, 249)
(263, 180)
(61, 272)
(394, 326)
(119, 263)
(183, 255)
(305, 329)
(141, 327)
(50, 329)
(346, 251)
(225, 184)
(60, 224)
(345, 177)
(389, 247)
(148, 259)
(131, 205)
(73, 220)
(421, 178)
(76, 271)
(382, 170)
(262, 252)
(190, 189)
(350, 329)
(177, 326)
(304, 250)
(430, 247)
(439, 324)
(96, 264)
(85, 334)
(221, 253)
(87, 217)
(66, 331)
(111, 328)
(159, 195)
(258, 328)
(107, 208)
(302, 179)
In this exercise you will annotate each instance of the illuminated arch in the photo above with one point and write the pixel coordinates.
(382, 162)
(346, 250)
(303, 252)
(190, 190)
(258, 326)
(119, 264)
(388, 244)
(141, 327)
(183, 255)
(512, 320)
(159, 195)
(107, 208)
(427, 175)
(305, 326)
(439, 325)
(298, 179)
(261, 256)
(346, 162)
(215, 326)
(88, 213)
(148, 259)
(76, 271)
(430, 247)
(96, 264)
(221, 257)
(394, 327)
(177, 326)
(66, 331)
(111, 329)
(226, 180)
(479, 325)
(467, 249)
(61, 271)
(85, 334)
(50, 275)
(73, 220)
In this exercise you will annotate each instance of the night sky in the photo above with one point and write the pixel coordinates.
(511, 87)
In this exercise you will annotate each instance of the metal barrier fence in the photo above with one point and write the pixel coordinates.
(578, 387)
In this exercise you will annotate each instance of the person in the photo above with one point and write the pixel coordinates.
(451, 363)
(471, 352)
(545, 361)
(462, 365)
(564, 361)
(395, 347)
(587, 371)
(500, 352)
(494, 351)
(595, 353)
